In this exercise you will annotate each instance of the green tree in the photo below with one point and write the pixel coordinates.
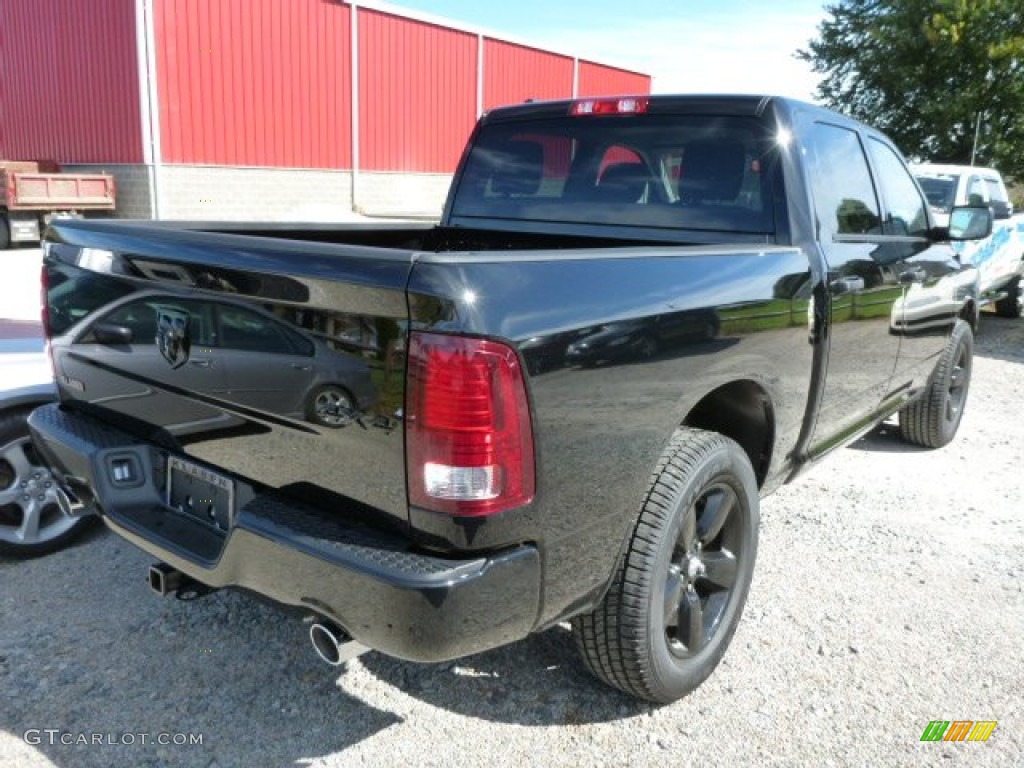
(926, 71)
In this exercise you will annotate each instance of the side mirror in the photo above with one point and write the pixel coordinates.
(1001, 210)
(970, 222)
(110, 334)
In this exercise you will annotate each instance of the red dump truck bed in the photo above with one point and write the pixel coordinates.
(25, 190)
(31, 192)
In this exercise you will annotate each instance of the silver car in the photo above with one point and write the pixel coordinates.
(31, 522)
(227, 350)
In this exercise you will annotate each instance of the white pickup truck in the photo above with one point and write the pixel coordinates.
(999, 257)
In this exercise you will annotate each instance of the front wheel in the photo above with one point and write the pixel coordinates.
(679, 588)
(31, 522)
(933, 419)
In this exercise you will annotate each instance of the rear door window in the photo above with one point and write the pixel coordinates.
(844, 196)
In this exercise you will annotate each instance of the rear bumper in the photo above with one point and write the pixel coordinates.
(387, 596)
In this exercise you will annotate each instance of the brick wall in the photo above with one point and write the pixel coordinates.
(241, 194)
(133, 192)
(204, 193)
(397, 194)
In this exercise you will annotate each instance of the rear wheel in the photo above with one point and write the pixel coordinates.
(1010, 306)
(31, 522)
(933, 419)
(679, 589)
(330, 406)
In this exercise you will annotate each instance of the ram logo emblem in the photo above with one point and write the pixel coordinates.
(172, 335)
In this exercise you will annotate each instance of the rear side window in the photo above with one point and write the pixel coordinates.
(73, 294)
(977, 191)
(844, 195)
(676, 172)
(996, 191)
(242, 329)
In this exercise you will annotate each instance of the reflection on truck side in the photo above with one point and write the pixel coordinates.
(232, 351)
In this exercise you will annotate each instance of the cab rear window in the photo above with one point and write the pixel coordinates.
(661, 171)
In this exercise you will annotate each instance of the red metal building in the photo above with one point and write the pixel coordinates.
(153, 89)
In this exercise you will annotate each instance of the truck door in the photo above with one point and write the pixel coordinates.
(862, 288)
(936, 286)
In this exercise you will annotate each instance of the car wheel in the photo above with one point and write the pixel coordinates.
(679, 589)
(31, 522)
(330, 406)
(933, 419)
(1010, 306)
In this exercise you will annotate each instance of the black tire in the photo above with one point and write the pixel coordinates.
(5, 232)
(1010, 306)
(933, 419)
(330, 405)
(679, 588)
(31, 523)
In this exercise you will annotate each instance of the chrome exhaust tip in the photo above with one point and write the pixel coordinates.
(333, 644)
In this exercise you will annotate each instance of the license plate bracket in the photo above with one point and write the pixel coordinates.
(194, 490)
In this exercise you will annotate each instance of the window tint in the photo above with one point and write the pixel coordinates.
(940, 191)
(140, 317)
(653, 171)
(74, 293)
(977, 192)
(242, 329)
(844, 196)
(905, 208)
(996, 193)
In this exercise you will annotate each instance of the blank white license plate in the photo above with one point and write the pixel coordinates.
(197, 491)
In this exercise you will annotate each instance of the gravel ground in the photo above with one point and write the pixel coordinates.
(889, 592)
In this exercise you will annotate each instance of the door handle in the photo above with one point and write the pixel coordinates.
(913, 275)
(848, 284)
(301, 367)
(200, 363)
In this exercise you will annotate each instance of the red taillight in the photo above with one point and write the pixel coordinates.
(469, 445)
(624, 105)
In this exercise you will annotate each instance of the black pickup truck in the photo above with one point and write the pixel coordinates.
(636, 316)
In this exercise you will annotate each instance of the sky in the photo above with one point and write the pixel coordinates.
(689, 46)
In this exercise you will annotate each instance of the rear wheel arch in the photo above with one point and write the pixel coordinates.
(741, 410)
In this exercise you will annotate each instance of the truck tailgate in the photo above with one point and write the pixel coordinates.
(277, 365)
